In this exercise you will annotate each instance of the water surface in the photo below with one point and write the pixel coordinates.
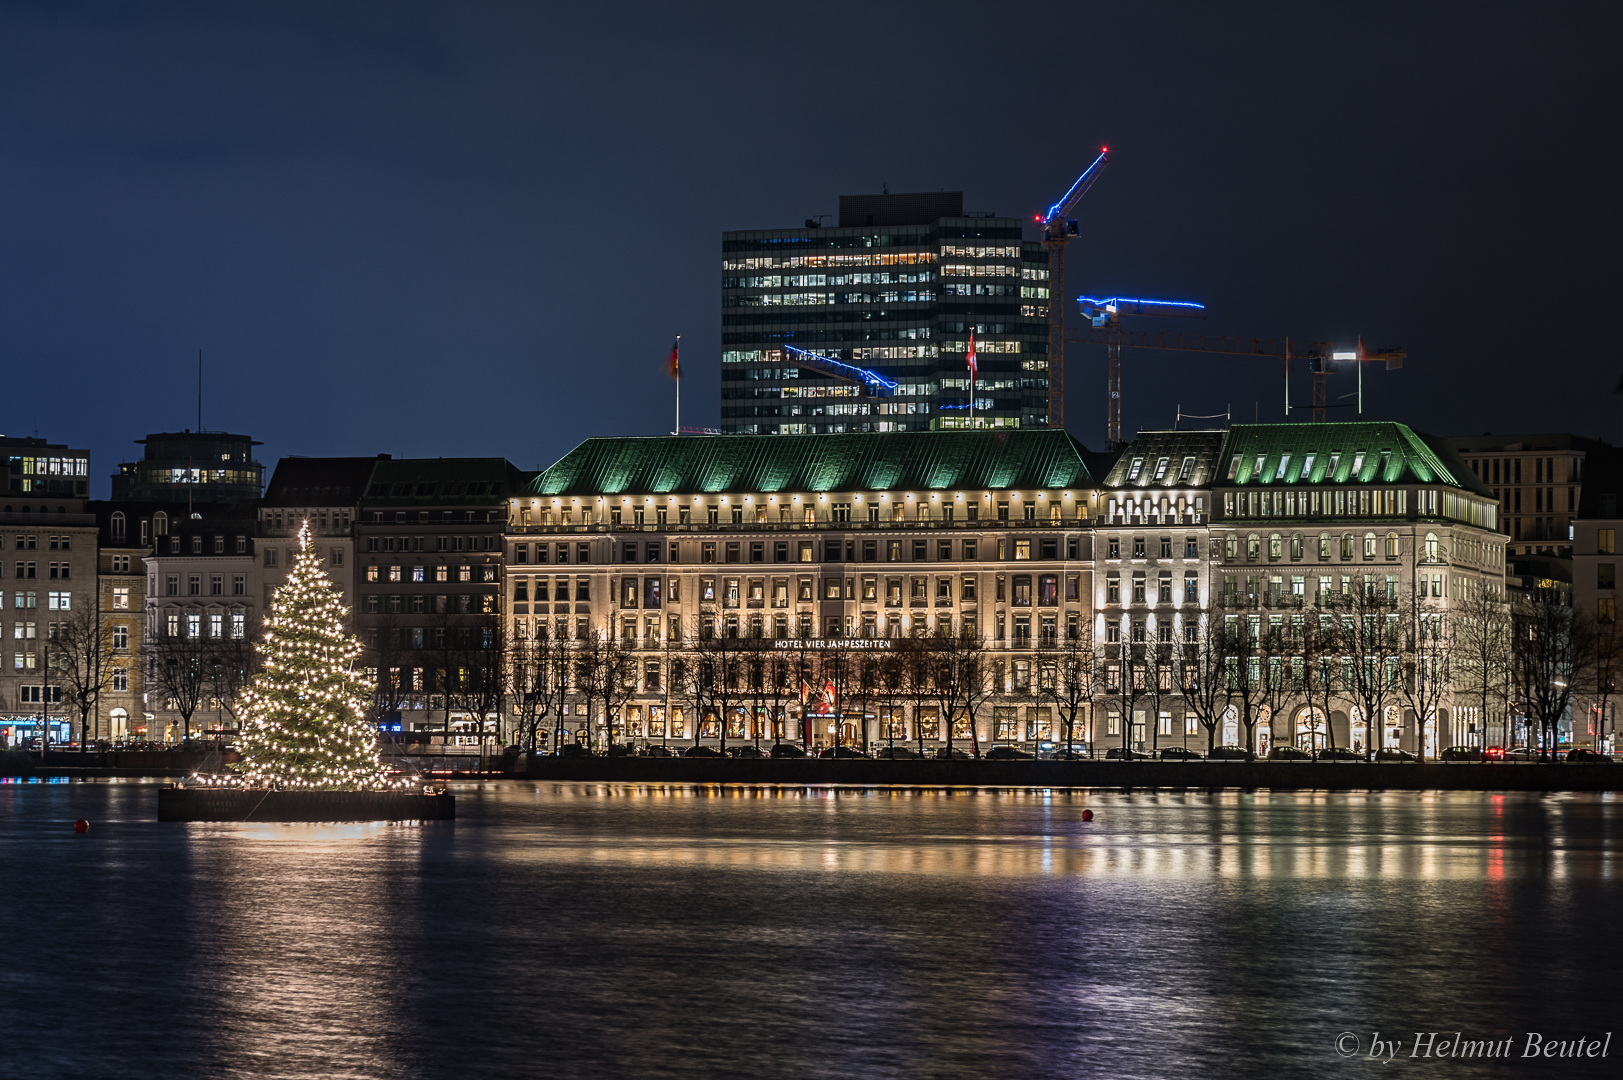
(628, 931)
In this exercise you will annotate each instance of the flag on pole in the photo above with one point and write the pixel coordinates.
(673, 363)
(974, 369)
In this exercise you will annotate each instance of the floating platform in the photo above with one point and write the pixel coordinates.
(231, 804)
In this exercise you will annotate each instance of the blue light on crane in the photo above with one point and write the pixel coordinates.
(1100, 302)
(873, 379)
(1055, 209)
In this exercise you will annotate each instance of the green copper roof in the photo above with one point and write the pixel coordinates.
(1349, 453)
(916, 461)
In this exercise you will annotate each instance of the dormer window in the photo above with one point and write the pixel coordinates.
(1187, 470)
(1284, 463)
(1256, 473)
(1234, 467)
(1161, 468)
(1358, 464)
(1335, 462)
(1132, 473)
(1386, 457)
(1307, 466)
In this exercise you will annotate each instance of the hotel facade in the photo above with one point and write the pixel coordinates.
(1020, 539)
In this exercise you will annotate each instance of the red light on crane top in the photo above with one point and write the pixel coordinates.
(1104, 149)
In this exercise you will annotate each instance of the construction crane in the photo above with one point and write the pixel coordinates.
(1058, 229)
(1105, 313)
(1323, 359)
(868, 383)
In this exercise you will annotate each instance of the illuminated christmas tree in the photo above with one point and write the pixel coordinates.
(304, 720)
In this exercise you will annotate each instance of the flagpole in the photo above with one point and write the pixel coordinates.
(678, 351)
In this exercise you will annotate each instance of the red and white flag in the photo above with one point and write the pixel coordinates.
(974, 369)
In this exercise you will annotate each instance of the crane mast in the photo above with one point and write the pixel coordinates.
(1057, 232)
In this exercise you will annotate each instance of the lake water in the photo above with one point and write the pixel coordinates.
(624, 931)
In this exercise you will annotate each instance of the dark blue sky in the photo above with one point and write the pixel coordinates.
(474, 228)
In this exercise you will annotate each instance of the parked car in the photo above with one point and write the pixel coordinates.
(1461, 753)
(1493, 753)
(1339, 753)
(1122, 753)
(951, 753)
(618, 750)
(788, 750)
(1074, 754)
(573, 749)
(1584, 756)
(1229, 753)
(1007, 753)
(841, 752)
(897, 753)
(660, 750)
(1394, 755)
(1520, 753)
(1288, 753)
(701, 751)
(748, 750)
(1178, 753)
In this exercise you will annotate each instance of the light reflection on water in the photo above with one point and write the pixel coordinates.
(646, 930)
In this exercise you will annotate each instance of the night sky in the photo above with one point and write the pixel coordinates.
(474, 229)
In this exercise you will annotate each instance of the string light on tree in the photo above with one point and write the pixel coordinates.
(304, 718)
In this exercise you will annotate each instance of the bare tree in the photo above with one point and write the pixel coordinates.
(1161, 680)
(1427, 668)
(918, 669)
(1481, 639)
(618, 675)
(1203, 681)
(78, 653)
(1554, 659)
(1243, 660)
(1608, 658)
(1320, 653)
(1075, 680)
(837, 669)
(385, 653)
(180, 668)
(1370, 643)
(702, 673)
(1276, 672)
(480, 685)
(960, 678)
(232, 663)
(539, 678)
(1126, 681)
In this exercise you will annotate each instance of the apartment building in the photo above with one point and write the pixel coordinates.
(428, 586)
(1306, 513)
(47, 580)
(324, 492)
(202, 602)
(122, 715)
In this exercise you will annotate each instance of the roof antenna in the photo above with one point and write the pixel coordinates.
(199, 390)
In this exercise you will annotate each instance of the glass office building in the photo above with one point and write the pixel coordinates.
(894, 289)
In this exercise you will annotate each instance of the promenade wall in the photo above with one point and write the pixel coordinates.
(1276, 775)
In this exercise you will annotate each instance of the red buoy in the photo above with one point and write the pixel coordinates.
(1087, 815)
(81, 825)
